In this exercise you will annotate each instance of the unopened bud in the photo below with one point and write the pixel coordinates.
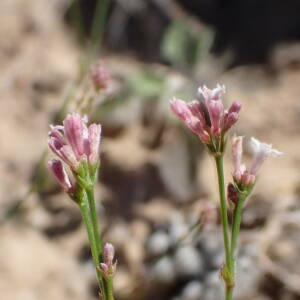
(232, 193)
(108, 254)
(108, 267)
(100, 76)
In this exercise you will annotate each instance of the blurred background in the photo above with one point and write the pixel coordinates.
(157, 183)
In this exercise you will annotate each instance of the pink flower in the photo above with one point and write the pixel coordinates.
(74, 142)
(57, 169)
(100, 76)
(261, 151)
(193, 117)
(207, 119)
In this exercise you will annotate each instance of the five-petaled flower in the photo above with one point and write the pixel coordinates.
(208, 119)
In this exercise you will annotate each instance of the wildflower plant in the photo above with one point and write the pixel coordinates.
(211, 122)
(77, 147)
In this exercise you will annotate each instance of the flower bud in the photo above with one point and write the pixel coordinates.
(100, 76)
(215, 109)
(235, 107)
(108, 254)
(230, 120)
(58, 171)
(232, 193)
(94, 143)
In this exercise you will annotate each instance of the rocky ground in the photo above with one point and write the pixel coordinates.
(155, 178)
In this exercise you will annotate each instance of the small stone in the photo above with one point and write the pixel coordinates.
(192, 291)
(188, 261)
(213, 286)
(163, 270)
(158, 243)
(178, 229)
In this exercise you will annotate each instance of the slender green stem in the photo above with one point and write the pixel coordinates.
(229, 292)
(236, 224)
(94, 219)
(109, 290)
(99, 21)
(223, 209)
(90, 232)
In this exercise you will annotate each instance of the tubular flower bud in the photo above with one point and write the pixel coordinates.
(108, 253)
(235, 107)
(94, 143)
(241, 175)
(207, 118)
(216, 111)
(58, 171)
(108, 267)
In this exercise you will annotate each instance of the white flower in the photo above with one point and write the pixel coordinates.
(214, 94)
(261, 152)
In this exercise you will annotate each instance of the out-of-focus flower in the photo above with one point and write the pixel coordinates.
(261, 151)
(108, 267)
(57, 169)
(208, 213)
(208, 119)
(100, 76)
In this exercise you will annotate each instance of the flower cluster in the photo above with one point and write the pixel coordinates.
(207, 119)
(108, 267)
(77, 146)
(261, 151)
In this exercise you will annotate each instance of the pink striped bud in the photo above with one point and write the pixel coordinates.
(230, 120)
(216, 110)
(94, 143)
(76, 133)
(235, 107)
(237, 152)
(64, 152)
(197, 110)
(180, 109)
(58, 171)
(56, 133)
